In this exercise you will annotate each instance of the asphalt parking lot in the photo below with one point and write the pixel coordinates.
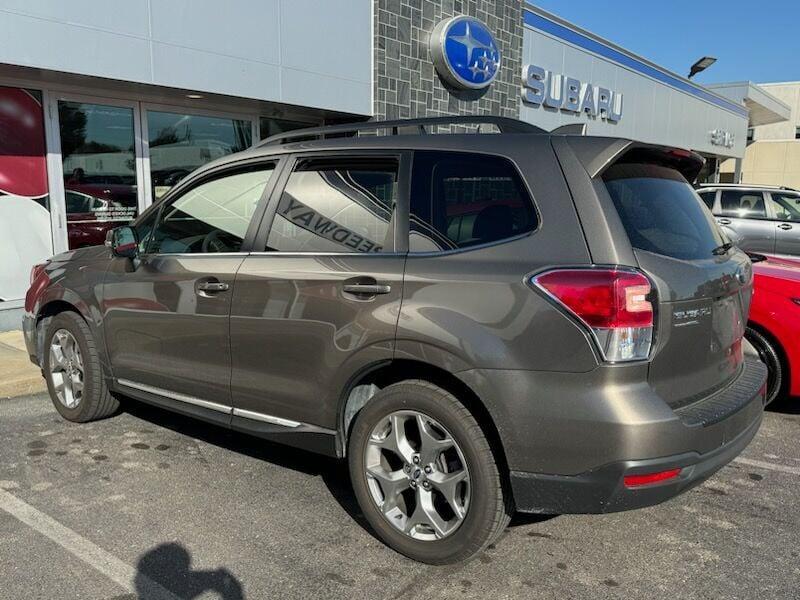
(153, 505)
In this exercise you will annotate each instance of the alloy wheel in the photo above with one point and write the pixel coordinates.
(66, 368)
(417, 475)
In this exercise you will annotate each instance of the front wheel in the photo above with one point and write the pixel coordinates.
(425, 475)
(73, 372)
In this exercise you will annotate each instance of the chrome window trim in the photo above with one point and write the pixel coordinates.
(187, 254)
(349, 254)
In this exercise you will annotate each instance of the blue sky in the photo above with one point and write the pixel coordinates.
(755, 40)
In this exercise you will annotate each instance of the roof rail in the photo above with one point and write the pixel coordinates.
(762, 186)
(504, 124)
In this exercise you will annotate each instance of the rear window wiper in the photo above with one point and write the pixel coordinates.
(720, 250)
(755, 258)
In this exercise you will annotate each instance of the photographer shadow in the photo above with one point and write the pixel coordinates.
(169, 565)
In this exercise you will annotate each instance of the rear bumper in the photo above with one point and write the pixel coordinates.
(569, 439)
(603, 490)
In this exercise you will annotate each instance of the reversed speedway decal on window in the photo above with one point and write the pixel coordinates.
(307, 218)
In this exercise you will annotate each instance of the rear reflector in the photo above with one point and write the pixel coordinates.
(612, 303)
(650, 478)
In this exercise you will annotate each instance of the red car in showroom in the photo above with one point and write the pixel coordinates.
(774, 325)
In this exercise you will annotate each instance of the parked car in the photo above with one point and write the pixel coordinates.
(477, 323)
(767, 218)
(774, 324)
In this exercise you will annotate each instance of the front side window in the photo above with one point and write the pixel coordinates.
(336, 205)
(742, 203)
(461, 200)
(211, 217)
(786, 206)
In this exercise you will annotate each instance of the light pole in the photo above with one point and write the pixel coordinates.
(701, 65)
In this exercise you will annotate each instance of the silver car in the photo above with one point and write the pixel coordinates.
(766, 218)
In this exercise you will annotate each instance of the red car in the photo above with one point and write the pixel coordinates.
(774, 325)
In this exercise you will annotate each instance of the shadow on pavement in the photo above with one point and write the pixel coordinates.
(334, 473)
(170, 566)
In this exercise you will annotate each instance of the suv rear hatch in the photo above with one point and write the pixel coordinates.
(702, 282)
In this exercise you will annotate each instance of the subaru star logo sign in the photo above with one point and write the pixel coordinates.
(465, 53)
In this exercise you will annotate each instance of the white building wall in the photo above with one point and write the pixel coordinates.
(653, 111)
(303, 52)
(790, 94)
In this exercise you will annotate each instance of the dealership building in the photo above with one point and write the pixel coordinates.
(105, 106)
(772, 156)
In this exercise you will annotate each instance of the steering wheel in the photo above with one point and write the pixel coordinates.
(212, 243)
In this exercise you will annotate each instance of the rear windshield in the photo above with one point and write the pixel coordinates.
(661, 212)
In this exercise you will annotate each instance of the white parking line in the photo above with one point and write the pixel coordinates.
(117, 571)
(769, 466)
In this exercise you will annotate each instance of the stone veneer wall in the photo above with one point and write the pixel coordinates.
(406, 83)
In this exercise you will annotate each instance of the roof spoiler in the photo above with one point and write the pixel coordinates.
(597, 154)
(570, 129)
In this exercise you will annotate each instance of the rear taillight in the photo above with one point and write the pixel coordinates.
(612, 303)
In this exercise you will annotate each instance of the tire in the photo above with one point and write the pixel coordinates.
(484, 504)
(770, 355)
(94, 401)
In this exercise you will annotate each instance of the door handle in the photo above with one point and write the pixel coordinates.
(366, 289)
(724, 221)
(784, 226)
(212, 286)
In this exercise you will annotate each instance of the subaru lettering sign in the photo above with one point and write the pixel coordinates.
(554, 90)
(465, 53)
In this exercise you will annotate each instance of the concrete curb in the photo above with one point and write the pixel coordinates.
(18, 375)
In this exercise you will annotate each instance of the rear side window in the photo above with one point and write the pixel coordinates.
(742, 203)
(461, 200)
(336, 205)
(661, 212)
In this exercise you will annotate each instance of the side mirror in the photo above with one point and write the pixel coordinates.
(123, 242)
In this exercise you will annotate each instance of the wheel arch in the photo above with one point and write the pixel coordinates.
(363, 386)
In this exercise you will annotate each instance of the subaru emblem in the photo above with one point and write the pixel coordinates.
(465, 53)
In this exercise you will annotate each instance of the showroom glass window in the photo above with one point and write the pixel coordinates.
(212, 217)
(462, 200)
(268, 126)
(336, 205)
(179, 143)
(99, 164)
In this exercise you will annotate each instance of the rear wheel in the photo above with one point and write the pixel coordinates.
(770, 356)
(73, 372)
(425, 475)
